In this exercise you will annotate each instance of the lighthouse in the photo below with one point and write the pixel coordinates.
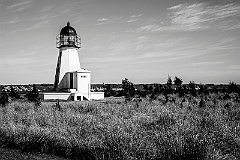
(70, 77)
(71, 81)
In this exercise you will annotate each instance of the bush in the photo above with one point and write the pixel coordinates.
(32, 96)
(128, 88)
(232, 87)
(13, 93)
(3, 98)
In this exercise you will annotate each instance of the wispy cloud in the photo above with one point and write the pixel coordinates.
(20, 5)
(102, 19)
(46, 8)
(234, 67)
(198, 16)
(12, 21)
(111, 20)
(105, 60)
(132, 20)
(224, 44)
(135, 16)
(41, 24)
(206, 63)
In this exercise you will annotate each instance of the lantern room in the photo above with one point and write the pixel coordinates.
(68, 38)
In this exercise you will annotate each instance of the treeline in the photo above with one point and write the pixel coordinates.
(32, 95)
(176, 86)
(127, 89)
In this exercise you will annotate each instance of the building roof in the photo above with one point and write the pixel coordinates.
(68, 30)
(83, 70)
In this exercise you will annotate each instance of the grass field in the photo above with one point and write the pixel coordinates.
(193, 127)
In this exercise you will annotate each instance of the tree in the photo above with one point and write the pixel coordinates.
(150, 89)
(32, 95)
(178, 81)
(145, 90)
(157, 88)
(203, 89)
(3, 98)
(232, 87)
(128, 88)
(169, 81)
(192, 87)
(168, 90)
(13, 93)
(107, 90)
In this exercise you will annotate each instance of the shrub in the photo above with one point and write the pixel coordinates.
(128, 88)
(13, 93)
(32, 96)
(3, 98)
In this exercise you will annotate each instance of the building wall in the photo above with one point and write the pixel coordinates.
(69, 81)
(84, 83)
(78, 96)
(64, 83)
(79, 80)
(49, 96)
(69, 61)
(97, 95)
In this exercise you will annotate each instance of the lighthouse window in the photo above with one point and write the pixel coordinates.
(65, 38)
(71, 38)
(83, 76)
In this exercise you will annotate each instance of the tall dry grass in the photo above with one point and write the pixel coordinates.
(181, 129)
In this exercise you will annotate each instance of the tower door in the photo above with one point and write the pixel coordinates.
(71, 80)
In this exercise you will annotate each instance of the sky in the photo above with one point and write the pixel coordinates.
(142, 40)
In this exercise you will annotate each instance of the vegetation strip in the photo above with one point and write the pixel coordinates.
(169, 126)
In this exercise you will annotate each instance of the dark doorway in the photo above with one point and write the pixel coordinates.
(71, 80)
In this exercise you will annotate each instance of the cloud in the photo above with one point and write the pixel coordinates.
(142, 39)
(135, 16)
(198, 16)
(149, 28)
(132, 20)
(225, 43)
(20, 5)
(102, 19)
(201, 16)
(109, 21)
(46, 8)
(12, 21)
(206, 63)
(105, 60)
(234, 67)
(112, 20)
(41, 24)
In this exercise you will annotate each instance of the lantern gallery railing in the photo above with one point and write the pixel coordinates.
(68, 41)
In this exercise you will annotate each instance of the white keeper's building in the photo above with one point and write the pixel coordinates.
(71, 81)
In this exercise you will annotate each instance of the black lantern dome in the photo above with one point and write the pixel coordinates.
(68, 30)
(68, 37)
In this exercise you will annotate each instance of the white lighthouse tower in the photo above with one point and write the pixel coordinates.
(69, 74)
